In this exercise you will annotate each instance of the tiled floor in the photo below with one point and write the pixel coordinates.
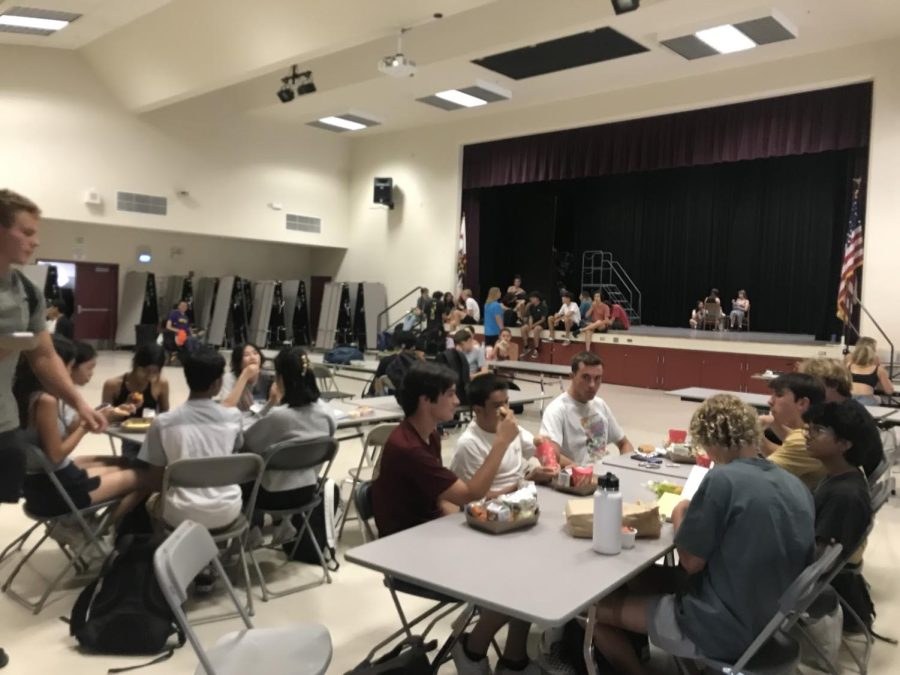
(356, 608)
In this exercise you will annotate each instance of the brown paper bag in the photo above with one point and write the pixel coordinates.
(641, 516)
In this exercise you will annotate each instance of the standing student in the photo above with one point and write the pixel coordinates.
(493, 316)
(414, 487)
(537, 322)
(22, 309)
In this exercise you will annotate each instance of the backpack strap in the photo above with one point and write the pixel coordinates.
(159, 659)
(30, 292)
(80, 609)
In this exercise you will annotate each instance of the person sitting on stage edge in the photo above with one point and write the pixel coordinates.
(867, 372)
(568, 317)
(510, 311)
(792, 395)
(598, 320)
(739, 308)
(516, 287)
(697, 315)
(493, 317)
(748, 518)
(867, 444)
(584, 306)
(578, 422)
(537, 322)
(473, 313)
(414, 487)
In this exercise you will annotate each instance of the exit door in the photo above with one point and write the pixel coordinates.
(96, 301)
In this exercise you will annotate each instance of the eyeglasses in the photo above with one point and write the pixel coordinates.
(816, 429)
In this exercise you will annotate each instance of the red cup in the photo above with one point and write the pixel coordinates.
(704, 461)
(677, 435)
(546, 455)
(582, 475)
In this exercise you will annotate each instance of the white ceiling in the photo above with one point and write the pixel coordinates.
(229, 55)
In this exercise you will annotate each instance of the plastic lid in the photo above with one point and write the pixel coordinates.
(609, 482)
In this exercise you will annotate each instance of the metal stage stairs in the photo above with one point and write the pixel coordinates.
(600, 271)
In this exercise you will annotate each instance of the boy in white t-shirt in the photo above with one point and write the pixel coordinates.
(568, 317)
(488, 395)
(579, 423)
(473, 311)
(198, 428)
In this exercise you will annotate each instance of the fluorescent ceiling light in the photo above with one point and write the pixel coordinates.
(461, 98)
(725, 39)
(340, 122)
(32, 22)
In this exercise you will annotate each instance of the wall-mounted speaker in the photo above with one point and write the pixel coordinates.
(384, 192)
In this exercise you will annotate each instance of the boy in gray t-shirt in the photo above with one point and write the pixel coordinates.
(742, 540)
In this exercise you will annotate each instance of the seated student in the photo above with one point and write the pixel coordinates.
(199, 427)
(697, 315)
(516, 287)
(584, 305)
(417, 313)
(537, 322)
(598, 318)
(143, 386)
(739, 308)
(489, 398)
(87, 479)
(568, 317)
(454, 310)
(714, 312)
(792, 395)
(504, 349)
(473, 312)
(245, 385)
(578, 422)
(843, 504)
(741, 541)
(414, 487)
(867, 372)
(295, 413)
(835, 376)
(457, 359)
(511, 316)
(57, 321)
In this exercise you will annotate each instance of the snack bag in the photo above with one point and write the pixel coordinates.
(546, 455)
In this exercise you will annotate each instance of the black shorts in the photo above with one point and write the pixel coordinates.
(43, 499)
(12, 465)
(491, 340)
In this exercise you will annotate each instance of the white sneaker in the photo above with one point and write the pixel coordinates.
(566, 343)
(284, 532)
(465, 665)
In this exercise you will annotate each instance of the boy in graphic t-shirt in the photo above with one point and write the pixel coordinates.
(578, 422)
(568, 317)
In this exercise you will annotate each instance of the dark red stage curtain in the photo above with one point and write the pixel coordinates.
(798, 124)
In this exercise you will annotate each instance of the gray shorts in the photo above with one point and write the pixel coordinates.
(663, 629)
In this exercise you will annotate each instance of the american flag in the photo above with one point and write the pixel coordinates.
(853, 259)
(461, 258)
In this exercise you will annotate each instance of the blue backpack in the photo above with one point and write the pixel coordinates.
(343, 355)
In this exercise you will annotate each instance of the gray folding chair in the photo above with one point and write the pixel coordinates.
(444, 605)
(303, 649)
(878, 472)
(204, 472)
(371, 451)
(774, 651)
(292, 456)
(100, 517)
(328, 388)
(880, 492)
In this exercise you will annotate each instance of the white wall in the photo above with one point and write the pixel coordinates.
(62, 133)
(419, 239)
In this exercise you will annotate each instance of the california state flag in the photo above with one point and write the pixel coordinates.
(461, 258)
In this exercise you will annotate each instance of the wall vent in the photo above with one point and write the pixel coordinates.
(138, 203)
(303, 223)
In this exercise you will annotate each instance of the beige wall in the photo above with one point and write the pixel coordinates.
(426, 166)
(62, 133)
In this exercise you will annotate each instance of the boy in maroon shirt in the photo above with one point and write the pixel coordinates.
(413, 487)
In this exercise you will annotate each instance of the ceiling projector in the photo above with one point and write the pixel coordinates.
(397, 65)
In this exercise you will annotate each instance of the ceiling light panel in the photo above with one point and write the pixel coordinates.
(32, 21)
(479, 94)
(345, 122)
(725, 39)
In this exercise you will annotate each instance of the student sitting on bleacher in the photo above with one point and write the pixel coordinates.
(413, 487)
(87, 479)
(489, 396)
(792, 395)
(843, 503)
(296, 413)
(199, 427)
(245, 384)
(867, 446)
(741, 541)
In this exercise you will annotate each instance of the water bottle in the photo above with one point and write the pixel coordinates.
(607, 516)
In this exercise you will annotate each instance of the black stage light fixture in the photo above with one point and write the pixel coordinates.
(622, 6)
(286, 94)
(307, 86)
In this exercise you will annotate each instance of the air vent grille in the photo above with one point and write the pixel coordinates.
(303, 223)
(138, 203)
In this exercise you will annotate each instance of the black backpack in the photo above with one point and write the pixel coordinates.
(409, 657)
(324, 529)
(123, 611)
(398, 367)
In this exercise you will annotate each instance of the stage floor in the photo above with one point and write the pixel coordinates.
(722, 336)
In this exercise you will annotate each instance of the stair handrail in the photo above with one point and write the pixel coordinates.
(632, 287)
(383, 313)
(879, 329)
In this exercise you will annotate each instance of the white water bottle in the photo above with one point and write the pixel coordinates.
(607, 516)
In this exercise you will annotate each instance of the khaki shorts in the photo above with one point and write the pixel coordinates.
(663, 629)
